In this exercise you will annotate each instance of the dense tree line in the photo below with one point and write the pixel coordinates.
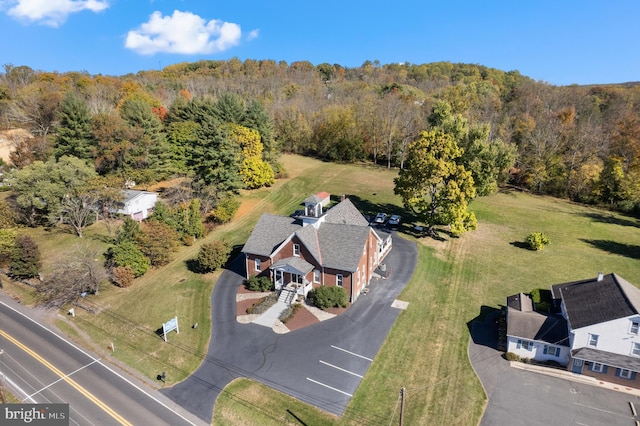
(223, 123)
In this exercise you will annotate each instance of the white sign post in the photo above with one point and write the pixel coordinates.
(169, 326)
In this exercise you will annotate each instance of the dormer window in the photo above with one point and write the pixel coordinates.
(296, 250)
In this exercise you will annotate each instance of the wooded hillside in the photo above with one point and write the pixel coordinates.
(576, 142)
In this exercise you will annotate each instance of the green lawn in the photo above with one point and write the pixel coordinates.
(426, 351)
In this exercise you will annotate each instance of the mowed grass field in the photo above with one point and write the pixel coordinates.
(426, 351)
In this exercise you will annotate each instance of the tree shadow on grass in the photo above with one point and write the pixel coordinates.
(631, 251)
(613, 219)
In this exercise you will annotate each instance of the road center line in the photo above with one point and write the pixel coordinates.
(341, 369)
(329, 387)
(352, 353)
(117, 417)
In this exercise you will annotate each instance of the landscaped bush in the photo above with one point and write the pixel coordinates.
(127, 254)
(510, 356)
(263, 304)
(537, 240)
(122, 276)
(328, 297)
(213, 256)
(290, 312)
(225, 210)
(259, 284)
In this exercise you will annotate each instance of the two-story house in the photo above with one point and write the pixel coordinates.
(321, 247)
(603, 318)
(596, 332)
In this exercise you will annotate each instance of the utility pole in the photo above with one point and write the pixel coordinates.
(402, 393)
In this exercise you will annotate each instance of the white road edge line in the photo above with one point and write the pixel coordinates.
(341, 369)
(352, 353)
(102, 364)
(329, 387)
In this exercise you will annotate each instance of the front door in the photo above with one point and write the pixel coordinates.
(576, 367)
(279, 279)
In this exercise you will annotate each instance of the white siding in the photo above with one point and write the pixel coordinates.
(613, 336)
(537, 352)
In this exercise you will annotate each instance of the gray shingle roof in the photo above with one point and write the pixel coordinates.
(270, 232)
(342, 245)
(591, 301)
(521, 302)
(337, 243)
(345, 213)
(607, 358)
(296, 263)
(535, 326)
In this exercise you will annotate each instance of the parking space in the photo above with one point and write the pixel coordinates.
(337, 365)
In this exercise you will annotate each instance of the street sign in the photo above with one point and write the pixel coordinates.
(169, 326)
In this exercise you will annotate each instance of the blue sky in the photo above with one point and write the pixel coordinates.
(559, 42)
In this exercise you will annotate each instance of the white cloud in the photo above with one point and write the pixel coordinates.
(183, 33)
(253, 34)
(52, 12)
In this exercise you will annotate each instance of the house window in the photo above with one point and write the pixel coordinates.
(593, 340)
(296, 249)
(635, 325)
(525, 344)
(636, 349)
(258, 263)
(316, 276)
(339, 280)
(552, 350)
(597, 367)
(625, 374)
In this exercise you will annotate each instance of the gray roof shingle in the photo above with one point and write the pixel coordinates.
(270, 232)
(342, 245)
(591, 301)
(607, 358)
(536, 326)
(345, 213)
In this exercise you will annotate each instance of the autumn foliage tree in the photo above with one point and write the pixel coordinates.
(434, 186)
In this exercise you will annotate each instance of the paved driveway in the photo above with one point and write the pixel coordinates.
(520, 397)
(322, 364)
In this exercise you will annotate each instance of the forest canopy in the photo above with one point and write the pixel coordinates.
(222, 124)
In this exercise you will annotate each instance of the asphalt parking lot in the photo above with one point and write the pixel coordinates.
(521, 397)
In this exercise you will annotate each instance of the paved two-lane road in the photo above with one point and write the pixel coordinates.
(39, 366)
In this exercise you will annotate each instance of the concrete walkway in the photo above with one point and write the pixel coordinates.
(269, 318)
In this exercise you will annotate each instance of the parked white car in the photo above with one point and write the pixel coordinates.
(381, 218)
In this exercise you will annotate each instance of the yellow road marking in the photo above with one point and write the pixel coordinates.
(64, 377)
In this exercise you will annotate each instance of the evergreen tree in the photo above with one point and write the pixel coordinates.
(25, 260)
(74, 136)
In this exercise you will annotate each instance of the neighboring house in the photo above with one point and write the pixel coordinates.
(603, 316)
(138, 205)
(601, 321)
(534, 335)
(334, 247)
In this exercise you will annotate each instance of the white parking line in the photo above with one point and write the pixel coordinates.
(352, 353)
(603, 411)
(341, 369)
(329, 387)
